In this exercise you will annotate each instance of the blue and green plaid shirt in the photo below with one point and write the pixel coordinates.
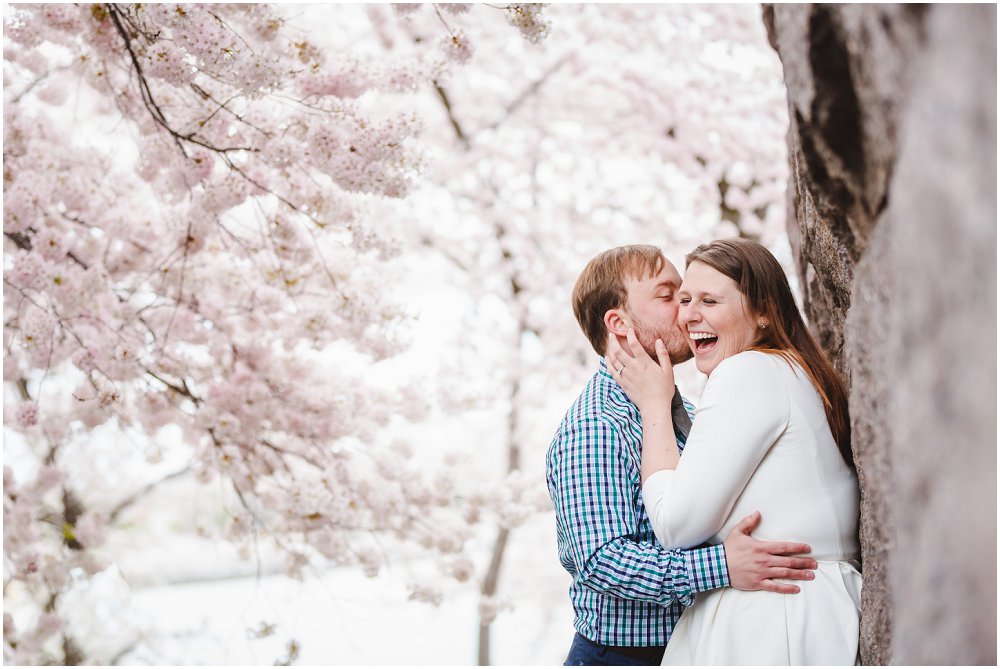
(627, 590)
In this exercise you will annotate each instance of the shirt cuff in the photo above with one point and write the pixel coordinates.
(707, 568)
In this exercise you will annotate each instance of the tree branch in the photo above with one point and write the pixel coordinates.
(529, 91)
(29, 88)
(21, 240)
(22, 389)
(181, 390)
(459, 133)
(154, 109)
(139, 494)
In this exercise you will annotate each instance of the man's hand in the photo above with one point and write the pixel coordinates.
(753, 564)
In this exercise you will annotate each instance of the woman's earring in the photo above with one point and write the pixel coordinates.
(763, 325)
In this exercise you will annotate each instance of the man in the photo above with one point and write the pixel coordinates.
(627, 591)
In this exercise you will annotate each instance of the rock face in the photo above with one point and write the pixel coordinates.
(893, 223)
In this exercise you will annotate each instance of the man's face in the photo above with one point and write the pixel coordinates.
(652, 312)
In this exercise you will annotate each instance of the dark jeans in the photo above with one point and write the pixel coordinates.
(585, 652)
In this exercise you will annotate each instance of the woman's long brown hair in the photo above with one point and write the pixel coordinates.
(769, 297)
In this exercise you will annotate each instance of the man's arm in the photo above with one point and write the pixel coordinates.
(589, 488)
(646, 572)
(589, 484)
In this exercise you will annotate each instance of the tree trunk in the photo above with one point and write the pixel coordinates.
(492, 577)
(490, 589)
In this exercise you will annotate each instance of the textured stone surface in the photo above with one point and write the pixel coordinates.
(893, 202)
(871, 389)
(943, 204)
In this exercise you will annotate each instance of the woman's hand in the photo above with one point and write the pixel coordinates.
(648, 383)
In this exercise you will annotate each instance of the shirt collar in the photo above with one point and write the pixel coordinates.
(603, 371)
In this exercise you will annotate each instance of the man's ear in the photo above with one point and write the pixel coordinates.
(614, 321)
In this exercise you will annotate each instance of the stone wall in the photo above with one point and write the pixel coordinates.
(892, 218)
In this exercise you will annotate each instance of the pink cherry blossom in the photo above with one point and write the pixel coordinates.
(27, 414)
(527, 18)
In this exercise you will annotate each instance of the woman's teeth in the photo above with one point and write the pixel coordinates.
(703, 341)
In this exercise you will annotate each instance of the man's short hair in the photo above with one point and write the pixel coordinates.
(601, 286)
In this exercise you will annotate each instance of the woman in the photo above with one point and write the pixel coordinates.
(772, 435)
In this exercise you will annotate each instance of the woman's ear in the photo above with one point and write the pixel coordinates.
(615, 322)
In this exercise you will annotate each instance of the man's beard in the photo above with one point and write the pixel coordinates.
(673, 339)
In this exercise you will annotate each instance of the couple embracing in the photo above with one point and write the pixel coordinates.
(655, 505)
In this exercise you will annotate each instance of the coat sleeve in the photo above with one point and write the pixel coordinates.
(744, 410)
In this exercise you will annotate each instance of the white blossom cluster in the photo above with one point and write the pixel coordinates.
(528, 19)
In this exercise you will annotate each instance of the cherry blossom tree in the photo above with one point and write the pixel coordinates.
(187, 235)
(203, 209)
(624, 124)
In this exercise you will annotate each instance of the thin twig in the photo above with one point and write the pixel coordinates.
(29, 88)
(446, 26)
(529, 91)
(139, 494)
(149, 101)
(456, 126)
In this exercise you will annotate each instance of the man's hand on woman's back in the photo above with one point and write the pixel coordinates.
(755, 565)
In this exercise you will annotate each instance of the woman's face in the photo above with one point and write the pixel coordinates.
(713, 316)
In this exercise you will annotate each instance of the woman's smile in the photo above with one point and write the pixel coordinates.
(702, 342)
